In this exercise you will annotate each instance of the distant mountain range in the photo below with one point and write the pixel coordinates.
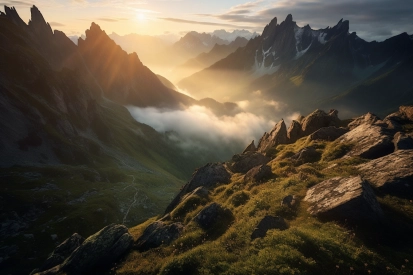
(305, 69)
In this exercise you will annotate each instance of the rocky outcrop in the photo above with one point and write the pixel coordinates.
(157, 234)
(294, 132)
(244, 162)
(96, 252)
(213, 215)
(368, 119)
(289, 201)
(278, 135)
(207, 176)
(370, 141)
(402, 141)
(339, 198)
(405, 113)
(327, 133)
(267, 223)
(305, 155)
(392, 174)
(250, 148)
(62, 251)
(319, 119)
(258, 174)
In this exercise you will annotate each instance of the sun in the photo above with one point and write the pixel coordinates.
(141, 16)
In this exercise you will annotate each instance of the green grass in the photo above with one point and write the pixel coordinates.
(309, 246)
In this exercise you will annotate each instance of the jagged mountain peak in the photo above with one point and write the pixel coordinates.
(38, 24)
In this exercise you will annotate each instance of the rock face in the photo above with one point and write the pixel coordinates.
(208, 176)
(212, 215)
(258, 174)
(327, 133)
(250, 148)
(244, 162)
(339, 198)
(368, 118)
(159, 233)
(392, 174)
(294, 132)
(305, 155)
(319, 119)
(278, 135)
(370, 141)
(96, 252)
(267, 223)
(62, 251)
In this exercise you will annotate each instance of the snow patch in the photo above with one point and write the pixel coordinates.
(322, 37)
(259, 68)
(301, 53)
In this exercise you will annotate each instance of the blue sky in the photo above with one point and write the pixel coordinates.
(371, 19)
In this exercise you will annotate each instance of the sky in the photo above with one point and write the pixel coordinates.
(371, 19)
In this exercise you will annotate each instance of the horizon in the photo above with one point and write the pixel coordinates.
(371, 20)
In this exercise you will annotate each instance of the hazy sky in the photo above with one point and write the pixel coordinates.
(371, 19)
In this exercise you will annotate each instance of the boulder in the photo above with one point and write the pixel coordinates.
(391, 174)
(244, 162)
(339, 198)
(250, 148)
(319, 119)
(98, 251)
(212, 215)
(258, 174)
(267, 223)
(62, 251)
(294, 132)
(370, 141)
(305, 155)
(402, 141)
(327, 133)
(289, 201)
(368, 119)
(278, 135)
(159, 233)
(207, 176)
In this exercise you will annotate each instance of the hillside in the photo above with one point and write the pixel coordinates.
(325, 196)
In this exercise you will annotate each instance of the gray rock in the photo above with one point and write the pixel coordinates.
(267, 223)
(392, 174)
(306, 155)
(207, 176)
(258, 174)
(278, 135)
(97, 251)
(213, 214)
(289, 201)
(339, 198)
(327, 133)
(62, 251)
(250, 148)
(244, 162)
(369, 119)
(159, 233)
(54, 237)
(294, 132)
(402, 141)
(370, 141)
(319, 119)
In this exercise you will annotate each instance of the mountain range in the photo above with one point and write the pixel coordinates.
(304, 199)
(305, 69)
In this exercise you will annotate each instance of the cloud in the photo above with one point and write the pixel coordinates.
(111, 19)
(199, 130)
(178, 20)
(56, 24)
(16, 3)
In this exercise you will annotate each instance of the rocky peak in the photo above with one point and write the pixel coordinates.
(38, 25)
(12, 14)
(278, 135)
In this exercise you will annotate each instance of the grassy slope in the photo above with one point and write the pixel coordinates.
(309, 246)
